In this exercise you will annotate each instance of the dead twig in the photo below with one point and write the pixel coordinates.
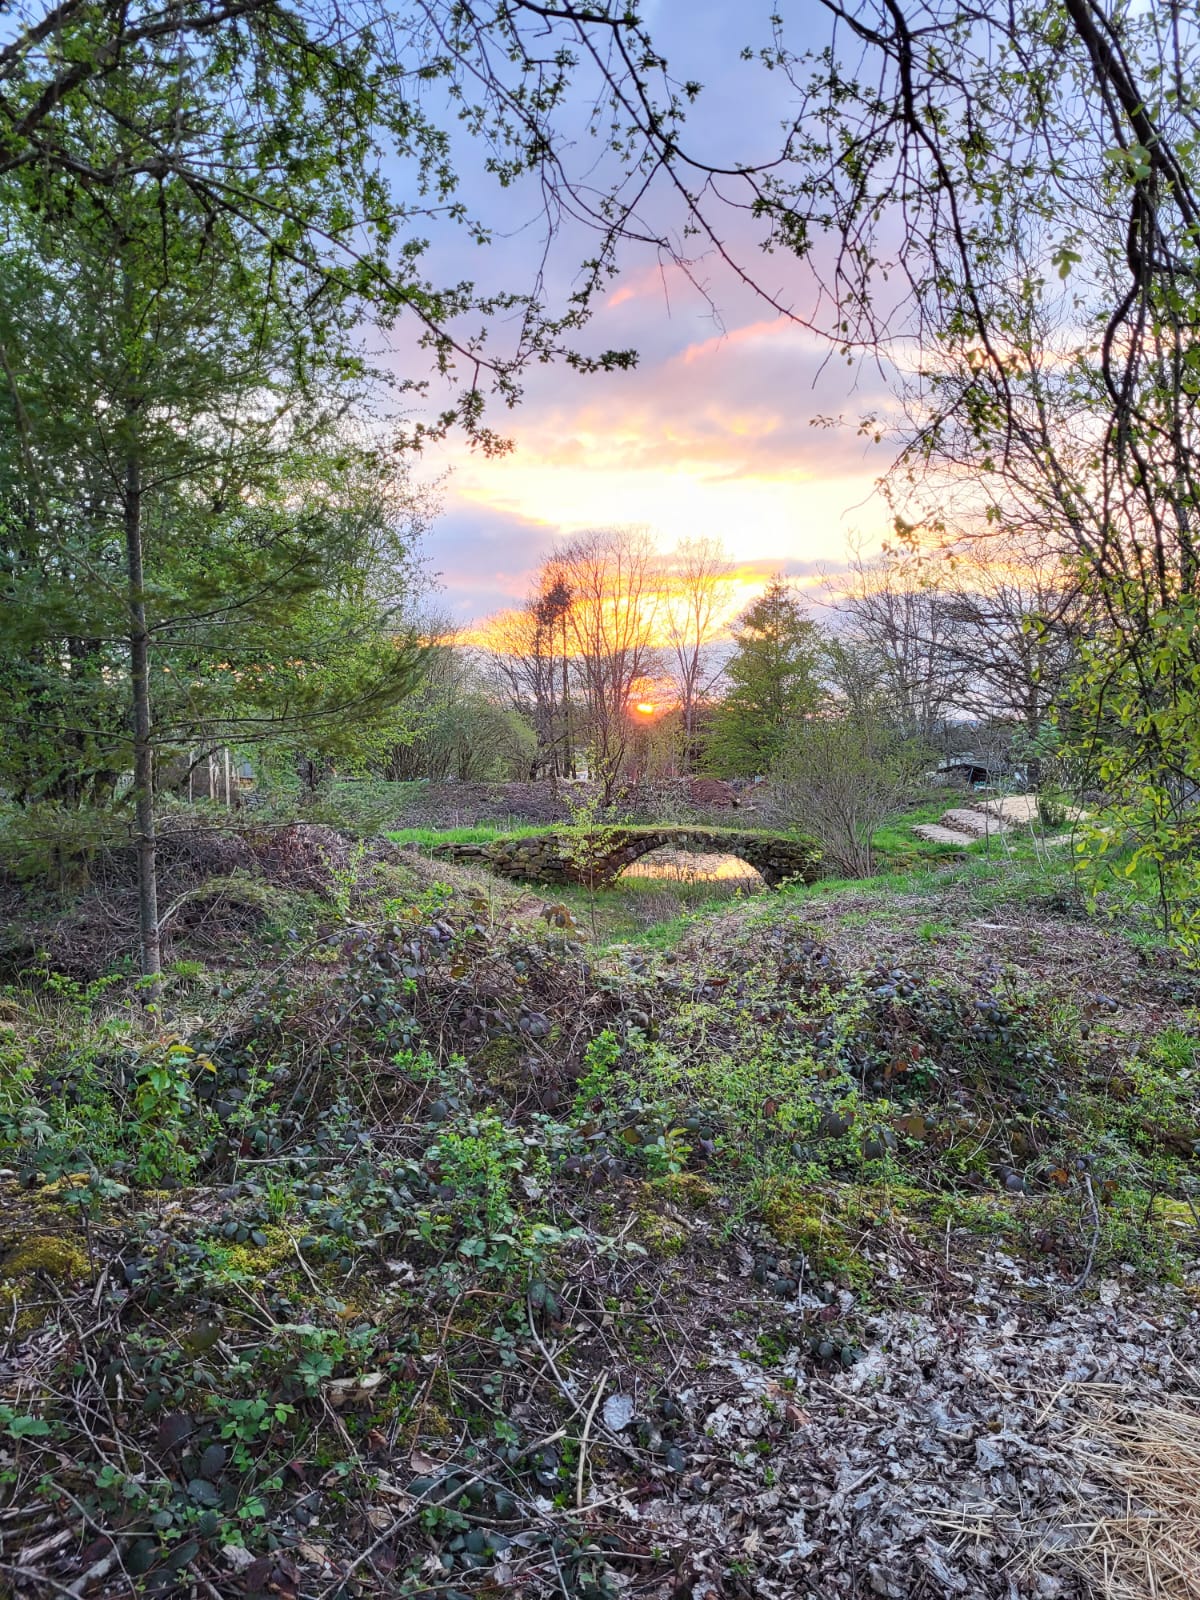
(583, 1440)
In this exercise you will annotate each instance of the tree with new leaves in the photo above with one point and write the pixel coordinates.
(772, 681)
(455, 727)
(839, 778)
(330, 163)
(1009, 192)
(185, 511)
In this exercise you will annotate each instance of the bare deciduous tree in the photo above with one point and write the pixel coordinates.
(612, 617)
(898, 632)
(528, 656)
(1016, 617)
(989, 630)
(695, 602)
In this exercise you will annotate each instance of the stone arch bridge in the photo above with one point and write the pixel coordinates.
(595, 857)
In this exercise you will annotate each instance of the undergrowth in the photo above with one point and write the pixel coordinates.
(282, 1279)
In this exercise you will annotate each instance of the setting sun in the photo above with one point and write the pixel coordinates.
(645, 707)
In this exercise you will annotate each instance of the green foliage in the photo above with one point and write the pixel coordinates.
(24, 1123)
(118, 1103)
(163, 1105)
(377, 1234)
(773, 684)
(22, 1425)
(455, 730)
(52, 842)
(1135, 717)
(262, 614)
(483, 1160)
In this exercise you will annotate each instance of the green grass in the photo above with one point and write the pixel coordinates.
(650, 911)
(988, 874)
(656, 912)
(988, 881)
(899, 849)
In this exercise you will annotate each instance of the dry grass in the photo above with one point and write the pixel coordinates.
(1132, 1529)
(1150, 1455)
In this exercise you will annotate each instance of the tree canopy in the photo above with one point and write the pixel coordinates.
(998, 203)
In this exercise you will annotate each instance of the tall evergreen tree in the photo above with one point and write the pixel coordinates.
(773, 684)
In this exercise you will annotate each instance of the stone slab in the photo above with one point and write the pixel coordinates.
(977, 824)
(937, 834)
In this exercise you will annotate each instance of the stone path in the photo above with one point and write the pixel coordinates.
(937, 834)
(976, 823)
(1012, 807)
(964, 825)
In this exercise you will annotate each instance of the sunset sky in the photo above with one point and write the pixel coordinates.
(712, 433)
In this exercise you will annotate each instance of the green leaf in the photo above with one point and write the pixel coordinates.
(26, 1427)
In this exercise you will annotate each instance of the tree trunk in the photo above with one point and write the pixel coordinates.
(143, 746)
(568, 742)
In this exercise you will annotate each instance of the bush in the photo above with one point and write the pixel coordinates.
(839, 778)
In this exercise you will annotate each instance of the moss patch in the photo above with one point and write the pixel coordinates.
(60, 1186)
(62, 1261)
(499, 1063)
(684, 1189)
(656, 1231)
(57, 1258)
(256, 1260)
(816, 1223)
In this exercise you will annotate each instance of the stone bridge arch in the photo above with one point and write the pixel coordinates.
(594, 858)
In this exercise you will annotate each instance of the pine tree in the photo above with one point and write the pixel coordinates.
(773, 684)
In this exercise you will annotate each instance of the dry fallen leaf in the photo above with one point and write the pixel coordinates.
(618, 1412)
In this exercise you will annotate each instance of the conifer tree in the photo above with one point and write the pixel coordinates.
(773, 684)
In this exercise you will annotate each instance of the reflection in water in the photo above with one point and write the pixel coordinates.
(683, 866)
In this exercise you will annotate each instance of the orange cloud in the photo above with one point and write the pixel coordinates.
(707, 437)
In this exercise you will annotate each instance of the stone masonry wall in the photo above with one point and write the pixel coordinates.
(563, 856)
